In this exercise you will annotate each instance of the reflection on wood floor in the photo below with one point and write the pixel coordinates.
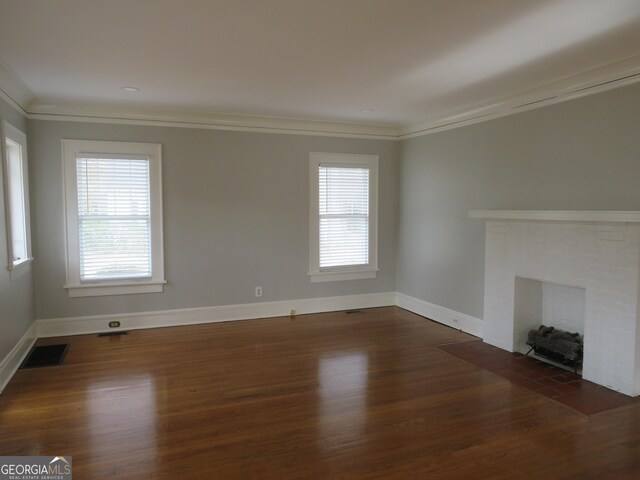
(325, 396)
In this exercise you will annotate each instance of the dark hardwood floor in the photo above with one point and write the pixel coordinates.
(561, 384)
(327, 396)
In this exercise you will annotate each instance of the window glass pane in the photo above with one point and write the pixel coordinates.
(17, 201)
(114, 223)
(344, 190)
(344, 241)
(344, 216)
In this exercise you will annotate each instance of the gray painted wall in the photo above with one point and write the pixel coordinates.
(16, 297)
(236, 216)
(579, 155)
(236, 205)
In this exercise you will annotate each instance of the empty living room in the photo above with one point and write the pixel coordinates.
(305, 240)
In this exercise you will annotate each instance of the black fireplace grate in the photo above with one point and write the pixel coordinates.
(46, 356)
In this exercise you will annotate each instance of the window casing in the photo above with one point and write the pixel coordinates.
(343, 217)
(113, 205)
(16, 190)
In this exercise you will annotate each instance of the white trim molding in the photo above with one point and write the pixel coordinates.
(446, 316)
(558, 215)
(58, 327)
(597, 79)
(319, 160)
(151, 153)
(594, 80)
(11, 363)
(114, 288)
(212, 121)
(332, 276)
(14, 91)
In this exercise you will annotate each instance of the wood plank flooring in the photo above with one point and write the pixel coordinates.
(563, 386)
(328, 396)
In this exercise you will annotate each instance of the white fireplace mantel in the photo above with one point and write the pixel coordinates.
(598, 251)
(558, 215)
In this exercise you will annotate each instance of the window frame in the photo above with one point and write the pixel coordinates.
(75, 286)
(9, 132)
(344, 272)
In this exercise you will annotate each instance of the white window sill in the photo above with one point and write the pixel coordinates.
(19, 269)
(119, 288)
(340, 275)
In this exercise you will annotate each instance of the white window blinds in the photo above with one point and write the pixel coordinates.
(114, 216)
(344, 216)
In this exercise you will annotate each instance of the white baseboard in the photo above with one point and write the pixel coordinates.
(57, 327)
(16, 356)
(446, 316)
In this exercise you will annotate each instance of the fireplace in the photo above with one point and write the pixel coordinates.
(578, 271)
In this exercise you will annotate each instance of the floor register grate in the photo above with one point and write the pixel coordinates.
(46, 356)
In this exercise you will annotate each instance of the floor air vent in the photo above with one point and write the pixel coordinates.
(113, 334)
(46, 356)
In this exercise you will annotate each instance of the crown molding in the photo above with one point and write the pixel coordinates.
(18, 95)
(13, 90)
(597, 79)
(214, 121)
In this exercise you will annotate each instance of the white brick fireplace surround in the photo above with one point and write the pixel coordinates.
(597, 251)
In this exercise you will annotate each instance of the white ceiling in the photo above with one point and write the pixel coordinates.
(412, 61)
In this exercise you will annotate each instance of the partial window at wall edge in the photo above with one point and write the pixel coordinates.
(16, 197)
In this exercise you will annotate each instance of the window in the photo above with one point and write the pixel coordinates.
(16, 194)
(344, 218)
(113, 218)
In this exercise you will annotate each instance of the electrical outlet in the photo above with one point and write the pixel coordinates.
(258, 291)
(114, 324)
